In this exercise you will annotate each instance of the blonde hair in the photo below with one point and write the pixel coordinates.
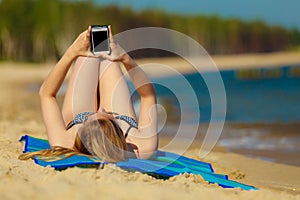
(101, 138)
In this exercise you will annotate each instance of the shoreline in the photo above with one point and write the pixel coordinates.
(221, 63)
(267, 142)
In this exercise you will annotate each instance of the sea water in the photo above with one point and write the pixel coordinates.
(262, 116)
(265, 95)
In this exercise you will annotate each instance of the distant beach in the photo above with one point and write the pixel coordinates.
(20, 114)
(227, 62)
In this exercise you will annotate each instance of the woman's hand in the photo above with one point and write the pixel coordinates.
(117, 53)
(81, 46)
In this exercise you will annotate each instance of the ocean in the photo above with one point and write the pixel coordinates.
(264, 95)
(262, 118)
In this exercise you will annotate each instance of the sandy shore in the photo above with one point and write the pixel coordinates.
(167, 66)
(20, 114)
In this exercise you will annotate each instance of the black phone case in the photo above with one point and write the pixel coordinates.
(91, 42)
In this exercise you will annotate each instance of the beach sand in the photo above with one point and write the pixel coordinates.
(219, 62)
(20, 114)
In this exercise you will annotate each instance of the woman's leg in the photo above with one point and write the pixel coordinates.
(114, 92)
(81, 92)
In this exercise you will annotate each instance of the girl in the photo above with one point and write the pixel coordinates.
(97, 116)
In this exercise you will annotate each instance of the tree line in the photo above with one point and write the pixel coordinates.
(41, 30)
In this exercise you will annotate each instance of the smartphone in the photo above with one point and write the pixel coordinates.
(100, 39)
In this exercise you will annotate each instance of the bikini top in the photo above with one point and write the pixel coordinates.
(82, 117)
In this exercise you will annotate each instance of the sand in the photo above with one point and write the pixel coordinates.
(20, 114)
(219, 62)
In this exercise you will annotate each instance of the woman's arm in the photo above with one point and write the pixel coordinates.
(50, 110)
(80, 47)
(140, 80)
(146, 136)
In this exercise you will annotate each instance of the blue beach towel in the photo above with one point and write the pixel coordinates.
(162, 164)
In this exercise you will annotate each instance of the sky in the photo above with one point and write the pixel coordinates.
(273, 12)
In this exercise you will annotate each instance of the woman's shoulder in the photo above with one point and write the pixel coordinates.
(65, 140)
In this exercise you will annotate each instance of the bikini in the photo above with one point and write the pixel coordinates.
(83, 116)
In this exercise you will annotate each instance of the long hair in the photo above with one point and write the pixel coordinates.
(101, 138)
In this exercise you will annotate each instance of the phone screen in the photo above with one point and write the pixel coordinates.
(99, 37)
